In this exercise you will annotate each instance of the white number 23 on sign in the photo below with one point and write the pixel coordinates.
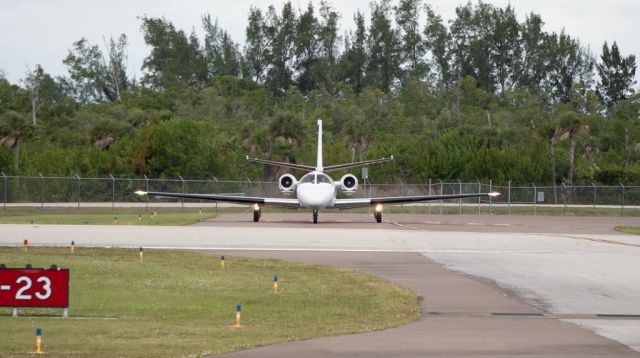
(46, 288)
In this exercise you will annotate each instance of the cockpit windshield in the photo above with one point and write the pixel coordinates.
(316, 178)
(323, 178)
(308, 178)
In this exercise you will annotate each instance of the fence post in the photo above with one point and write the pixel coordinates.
(564, 188)
(182, 199)
(490, 197)
(535, 199)
(369, 195)
(429, 194)
(594, 199)
(217, 191)
(364, 188)
(146, 181)
(441, 193)
(479, 191)
(622, 185)
(5, 191)
(113, 192)
(509, 199)
(77, 176)
(401, 193)
(460, 200)
(41, 190)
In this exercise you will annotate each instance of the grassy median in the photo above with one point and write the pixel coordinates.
(105, 216)
(634, 230)
(179, 303)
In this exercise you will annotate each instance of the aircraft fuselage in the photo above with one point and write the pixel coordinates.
(316, 190)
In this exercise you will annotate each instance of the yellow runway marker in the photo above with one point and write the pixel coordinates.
(38, 341)
(237, 317)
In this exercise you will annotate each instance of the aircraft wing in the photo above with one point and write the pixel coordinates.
(366, 202)
(276, 202)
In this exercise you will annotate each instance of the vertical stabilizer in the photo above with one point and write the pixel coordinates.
(319, 161)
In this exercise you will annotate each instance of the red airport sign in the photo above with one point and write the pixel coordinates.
(22, 287)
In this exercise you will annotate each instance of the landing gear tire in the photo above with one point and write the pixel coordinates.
(378, 217)
(256, 215)
(315, 216)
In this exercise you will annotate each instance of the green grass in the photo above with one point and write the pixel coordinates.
(179, 303)
(501, 209)
(104, 217)
(188, 216)
(634, 230)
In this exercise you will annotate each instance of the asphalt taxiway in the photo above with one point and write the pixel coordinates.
(461, 317)
(491, 285)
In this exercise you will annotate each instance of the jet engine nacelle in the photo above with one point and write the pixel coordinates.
(287, 183)
(349, 184)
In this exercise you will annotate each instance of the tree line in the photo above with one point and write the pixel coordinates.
(482, 96)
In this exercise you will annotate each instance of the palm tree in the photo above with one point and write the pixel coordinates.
(551, 135)
(14, 126)
(286, 132)
(287, 126)
(570, 125)
(358, 134)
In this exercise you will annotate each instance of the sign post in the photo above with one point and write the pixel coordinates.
(34, 287)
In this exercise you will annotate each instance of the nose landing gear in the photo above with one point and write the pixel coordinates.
(315, 216)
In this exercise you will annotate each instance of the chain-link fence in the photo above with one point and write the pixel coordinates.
(76, 191)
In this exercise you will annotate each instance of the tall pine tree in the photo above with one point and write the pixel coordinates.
(617, 75)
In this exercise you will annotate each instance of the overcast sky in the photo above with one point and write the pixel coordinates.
(41, 32)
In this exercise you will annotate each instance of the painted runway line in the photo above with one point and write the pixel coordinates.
(469, 223)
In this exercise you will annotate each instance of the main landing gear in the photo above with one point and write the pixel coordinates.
(257, 213)
(315, 216)
(378, 213)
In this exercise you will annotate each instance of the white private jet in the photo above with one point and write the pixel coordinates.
(316, 190)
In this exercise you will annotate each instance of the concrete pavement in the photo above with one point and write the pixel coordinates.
(461, 317)
(566, 268)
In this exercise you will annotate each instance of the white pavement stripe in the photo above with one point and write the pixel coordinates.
(398, 224)
(199, 248)
(469, 223)
(232, 248)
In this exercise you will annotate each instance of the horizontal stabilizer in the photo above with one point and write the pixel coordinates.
(326, 169)
(357, 164)
(281, 164)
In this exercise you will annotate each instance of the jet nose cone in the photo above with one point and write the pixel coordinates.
(315, 196)
(316, 202)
